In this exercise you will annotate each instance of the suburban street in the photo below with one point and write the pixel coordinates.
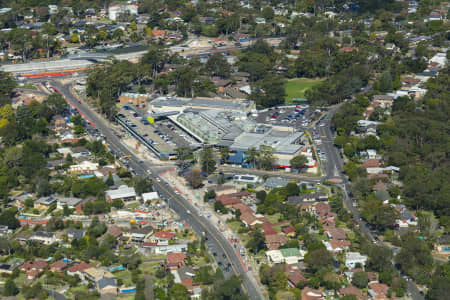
(215, 240)
(333, 168)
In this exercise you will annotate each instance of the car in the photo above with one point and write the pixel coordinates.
(219, 263)
(224, 256)
(157, 179)
(214, 254)
(188, 212)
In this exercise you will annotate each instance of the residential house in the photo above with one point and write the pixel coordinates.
(163, 237)
(115, 10)
(95, 274)
(175, 260)
(322, 209)
(336, 246)
(274, 241)
(44, 203)
(354, 258)
(443, 245)
(43, 237)
(115, 231)
(59, 266)
(249, 219)
(70, 202)
(378, 290)
(351, 290)
(385, 101)
(294, 274)
(288, 230)
(165, 249)
(33, 268)
(107, 285)
(78, 269)
(84, 167)
(311, 294)
(288, 256)
(123, 193)
(336, 234)
(138, 235)
(75, 234)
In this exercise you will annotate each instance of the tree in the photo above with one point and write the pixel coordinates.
(207, 161)
(298, 161)
(268, 13)
(8, 218)
(256, 242)
(292, 189)
(194, 178)
(142, 185)
(10, 288)
(75, 38)
(269, 91)
(178, 292)
(252, 156)
(415, 257)
(218, 206)
(110, 180)
(318, 258)
(217, 65)
(360, 280)
(266, 158)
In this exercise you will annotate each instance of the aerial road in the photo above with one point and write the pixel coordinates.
(216, 242)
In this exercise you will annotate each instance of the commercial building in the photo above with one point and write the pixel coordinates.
(115, 10)
(123, 193)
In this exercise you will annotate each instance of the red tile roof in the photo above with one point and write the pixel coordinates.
(310, 294)
(79, 267)
(242, 207)
(274, 241)
(337, 233)
(59, 265)
(228, 200)
(371, 163)
(268, 229)
(165, 235)
(288, 229)
(351, 290)
(176, 258)
(36, 265)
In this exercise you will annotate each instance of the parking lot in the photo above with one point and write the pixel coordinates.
(164, 135)
(296, 117)
(147, 131)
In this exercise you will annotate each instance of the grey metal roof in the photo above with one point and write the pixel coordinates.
(105, 281)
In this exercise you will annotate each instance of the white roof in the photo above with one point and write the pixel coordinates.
(275, 256)
(150, 196)
(355, 256)
(122, 192)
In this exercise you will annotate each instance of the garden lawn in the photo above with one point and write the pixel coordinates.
(296, 88)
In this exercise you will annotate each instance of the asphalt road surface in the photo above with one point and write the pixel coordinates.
(216, 242)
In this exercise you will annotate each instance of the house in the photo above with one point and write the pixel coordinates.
(288, 230)
(311, 294)
(107, 285)
(78, 269)
(384, 101)
(95, 274)
(123, 193)
(249, 219)
(43, 237)
(354, 258)
(274, 241)
(175, 260)
(44, 203)
(351, 290)
(336, 246)
(83, 167)
(33, 268)
(322, 209)
(294, 274)
(138, 235)
(165, 249)
(59, 266)
(163, 237)
(443, 246)
(378, 290)
(115, 231)
(276, 182)
(4, 231)
(371, 163)
(70, 202)
(336, 233)
(75, 234)
(148, 197)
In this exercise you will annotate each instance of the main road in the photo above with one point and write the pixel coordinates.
(216, 242)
